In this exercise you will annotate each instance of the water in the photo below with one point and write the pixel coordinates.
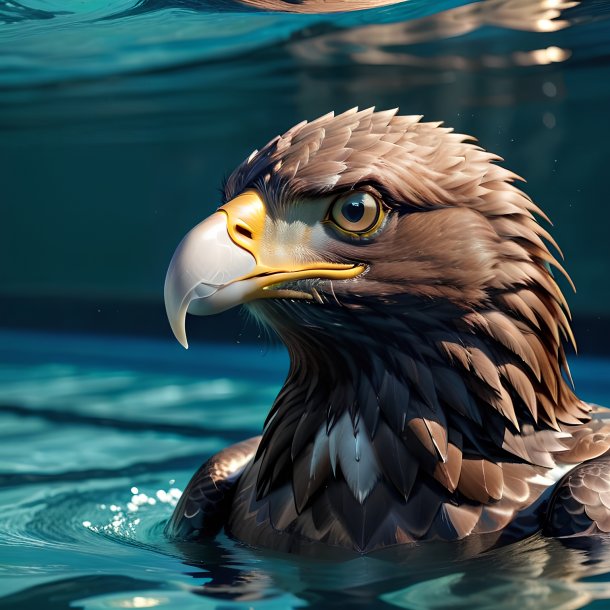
(98, 437)
(118, 121)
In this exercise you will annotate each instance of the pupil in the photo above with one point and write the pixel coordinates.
(353, 210)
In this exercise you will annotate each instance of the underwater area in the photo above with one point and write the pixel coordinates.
(119, 120)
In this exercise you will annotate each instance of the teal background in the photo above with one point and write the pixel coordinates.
(119, 122)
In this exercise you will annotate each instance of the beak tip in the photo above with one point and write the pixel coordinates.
(180, 335)
(182, 340)
(178, 326)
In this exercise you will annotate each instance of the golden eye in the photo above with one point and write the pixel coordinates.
(356, 212)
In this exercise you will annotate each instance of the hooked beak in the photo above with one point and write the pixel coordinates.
(219, 264)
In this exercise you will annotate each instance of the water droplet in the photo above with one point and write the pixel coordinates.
(549, 120)
(549, 89)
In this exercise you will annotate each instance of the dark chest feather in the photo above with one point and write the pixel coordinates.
(339, 514)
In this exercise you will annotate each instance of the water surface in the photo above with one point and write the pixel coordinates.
(99, 436)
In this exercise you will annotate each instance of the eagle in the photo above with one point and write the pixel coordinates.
(428, 395)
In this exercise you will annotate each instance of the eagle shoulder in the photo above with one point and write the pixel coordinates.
(205, 504)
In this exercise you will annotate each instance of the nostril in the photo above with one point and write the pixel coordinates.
(243, 231)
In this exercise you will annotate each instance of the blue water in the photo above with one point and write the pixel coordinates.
(98, 436)
(55, 40)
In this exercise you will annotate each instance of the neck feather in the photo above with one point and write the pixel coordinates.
(412, 388)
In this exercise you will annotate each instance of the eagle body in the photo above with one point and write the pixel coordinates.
(428, 396)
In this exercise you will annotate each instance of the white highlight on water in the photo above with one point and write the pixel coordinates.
(122, 521)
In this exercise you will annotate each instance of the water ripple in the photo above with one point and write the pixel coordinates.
(67, 518)
(96, 39)
(14, 12)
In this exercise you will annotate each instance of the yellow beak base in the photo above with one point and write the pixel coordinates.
(219, 265)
